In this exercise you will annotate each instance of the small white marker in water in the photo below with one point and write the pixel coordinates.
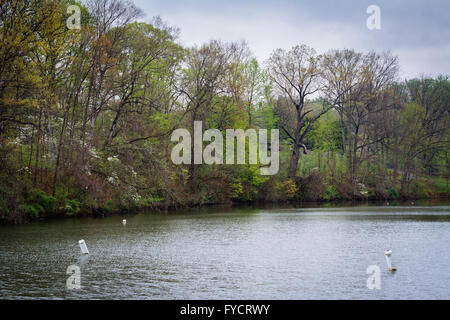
(388, 253)
(83, 247)
(124, 221)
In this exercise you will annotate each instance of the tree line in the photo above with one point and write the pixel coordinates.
(86, 116)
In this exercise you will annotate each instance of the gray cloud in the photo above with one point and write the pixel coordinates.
(417, 31)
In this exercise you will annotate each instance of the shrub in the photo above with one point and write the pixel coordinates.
(420, 190)
(330, 193)
(236, 190)
(72, 207)
(43, 202)
(109, 206)
(4, 206)
(393, 193)
(290, 189)
(29, 210)
(310, 187)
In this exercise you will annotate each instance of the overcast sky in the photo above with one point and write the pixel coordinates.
(417, 31)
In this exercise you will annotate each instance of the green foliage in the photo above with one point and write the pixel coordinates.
(4, 206)
(31, 211)
(441, 185)
(326, 134)
(72, 207)
(330, 193)
(87, 115)
(45, 202)
(393, 193)
(247, 183)
(149, 202)
(421, 189)
(236, 189)
(39, 204)
(109, 206)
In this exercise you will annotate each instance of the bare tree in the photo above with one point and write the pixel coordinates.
(297, 76)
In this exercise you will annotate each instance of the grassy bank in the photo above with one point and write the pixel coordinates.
(38, 205)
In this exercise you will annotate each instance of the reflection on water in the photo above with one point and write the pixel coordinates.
(240, 253)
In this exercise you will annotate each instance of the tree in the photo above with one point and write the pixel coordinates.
(423, 125)
(296, 74)
(358, 84)
(204, 83)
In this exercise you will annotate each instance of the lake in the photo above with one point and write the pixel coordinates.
(234, 253)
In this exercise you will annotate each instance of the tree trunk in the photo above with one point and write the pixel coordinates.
(293, 164)
(38, 138)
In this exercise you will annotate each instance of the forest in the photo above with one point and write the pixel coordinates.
(86, 117)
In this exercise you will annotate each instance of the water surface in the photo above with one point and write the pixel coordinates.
(240, 253)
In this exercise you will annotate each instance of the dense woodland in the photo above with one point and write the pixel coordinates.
(86, 117)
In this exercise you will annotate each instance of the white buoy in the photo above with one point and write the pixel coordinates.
(83, 247)
(124, 221)
(388, 253)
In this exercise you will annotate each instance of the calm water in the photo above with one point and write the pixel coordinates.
(290, 253)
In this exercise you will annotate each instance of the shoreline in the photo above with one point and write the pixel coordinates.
(161, 208)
